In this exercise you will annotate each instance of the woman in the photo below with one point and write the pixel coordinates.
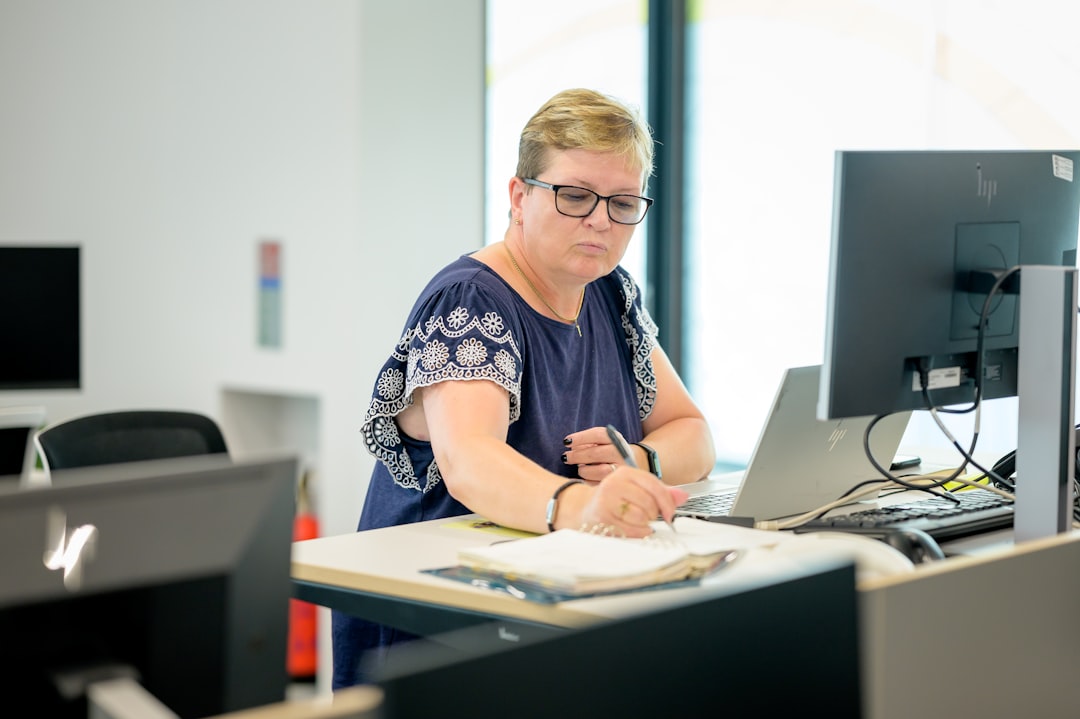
(516, 357)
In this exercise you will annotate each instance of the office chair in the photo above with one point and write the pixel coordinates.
(17, 426)
(127, 436)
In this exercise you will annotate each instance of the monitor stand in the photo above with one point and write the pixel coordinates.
(1046, 443)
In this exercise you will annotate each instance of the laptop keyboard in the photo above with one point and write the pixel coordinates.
(712, 505)
(976, 511)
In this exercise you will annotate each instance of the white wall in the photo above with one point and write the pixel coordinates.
(167, 137)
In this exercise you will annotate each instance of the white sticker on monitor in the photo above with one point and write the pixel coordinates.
(937, 379)
(1063, 167)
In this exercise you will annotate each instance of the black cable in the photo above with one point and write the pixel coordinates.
(1000, 481)
(924, 382)
(1007, 484)
(938, 483)
(980, 344)
(984, 320)
(991, 474)
(969, 458)
(968, 455)
(888, 476)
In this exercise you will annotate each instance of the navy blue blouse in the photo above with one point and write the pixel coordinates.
(468, 324)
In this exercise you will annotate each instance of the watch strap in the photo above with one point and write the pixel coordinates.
(653, 457)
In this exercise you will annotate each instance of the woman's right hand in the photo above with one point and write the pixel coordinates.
(629, 499)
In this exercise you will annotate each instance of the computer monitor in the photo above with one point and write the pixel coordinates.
(176, 572)
(770, 647)
(40, 317)
(913, 233)
(17, 425)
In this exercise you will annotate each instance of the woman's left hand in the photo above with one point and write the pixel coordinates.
(593, 453)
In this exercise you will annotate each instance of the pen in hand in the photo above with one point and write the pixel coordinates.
(624, 450)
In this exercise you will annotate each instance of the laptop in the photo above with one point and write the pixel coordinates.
(799, 463)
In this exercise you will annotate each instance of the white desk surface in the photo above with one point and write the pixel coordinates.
(358, 702)
(388, 562)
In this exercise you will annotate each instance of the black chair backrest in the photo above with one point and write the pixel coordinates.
(128, 436)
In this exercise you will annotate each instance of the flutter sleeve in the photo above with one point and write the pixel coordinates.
(641, 337)
(463, 332)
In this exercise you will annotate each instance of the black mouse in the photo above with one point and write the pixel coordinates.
(915, 544)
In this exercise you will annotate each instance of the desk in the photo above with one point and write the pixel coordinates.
(993, 635)
(376, 574)
(360, 702)
(990, 635)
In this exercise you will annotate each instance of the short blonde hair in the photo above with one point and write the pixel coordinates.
(581, 119)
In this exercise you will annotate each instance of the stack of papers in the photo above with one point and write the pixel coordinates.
(578, 563)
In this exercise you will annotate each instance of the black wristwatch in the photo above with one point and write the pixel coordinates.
(654, 459)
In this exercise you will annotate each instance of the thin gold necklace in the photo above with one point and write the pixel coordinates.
(571, 320)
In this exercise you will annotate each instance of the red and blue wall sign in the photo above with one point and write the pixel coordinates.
(269, 329)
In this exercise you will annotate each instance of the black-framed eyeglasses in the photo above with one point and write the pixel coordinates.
(580, 202)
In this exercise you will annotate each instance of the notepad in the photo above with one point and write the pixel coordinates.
(578, 563)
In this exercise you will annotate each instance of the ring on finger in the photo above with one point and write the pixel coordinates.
(623, 509)
(612, 465)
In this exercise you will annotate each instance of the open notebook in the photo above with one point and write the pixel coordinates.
(800, 462)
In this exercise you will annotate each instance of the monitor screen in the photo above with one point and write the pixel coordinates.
(759, 648)
(39, 317)
(914, 233)
(14, 442)
(17, 425)
(175, 572)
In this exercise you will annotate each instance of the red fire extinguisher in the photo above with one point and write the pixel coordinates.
(303, 658)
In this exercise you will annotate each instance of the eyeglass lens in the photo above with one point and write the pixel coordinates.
(579, 202)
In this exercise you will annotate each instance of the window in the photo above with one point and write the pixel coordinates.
(536, 50)
(775, 89)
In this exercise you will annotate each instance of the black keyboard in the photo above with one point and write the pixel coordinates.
(977, 511)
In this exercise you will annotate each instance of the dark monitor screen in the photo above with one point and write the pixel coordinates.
(39, 318)
(771, 648)
(14, 442)
(17, 425)
(183, 582)
(909, 230)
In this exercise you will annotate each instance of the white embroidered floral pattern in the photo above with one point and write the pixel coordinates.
(458, 317)
(390, 383)
(386, 431)
(426, 354)
(492, 323)
(471, 352)
(635, 317)
(481, 348)
(435, 355)
(505, 363)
